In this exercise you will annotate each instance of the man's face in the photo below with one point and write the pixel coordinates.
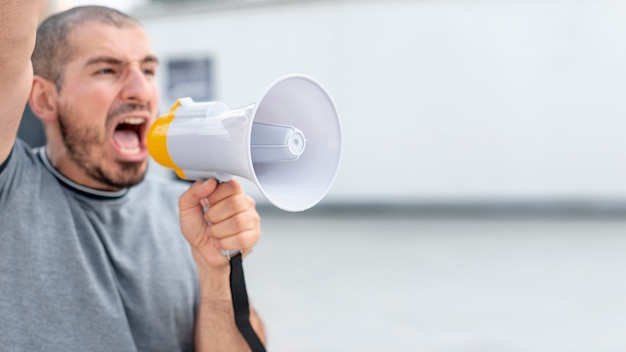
(106, 102)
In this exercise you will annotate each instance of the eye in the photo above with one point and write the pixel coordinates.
(105, 71)
(149, 70)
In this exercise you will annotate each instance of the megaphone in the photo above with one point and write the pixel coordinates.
(289, 143)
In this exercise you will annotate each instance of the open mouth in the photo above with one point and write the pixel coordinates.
(128, 135)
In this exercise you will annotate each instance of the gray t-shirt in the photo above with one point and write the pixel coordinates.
(86, 270)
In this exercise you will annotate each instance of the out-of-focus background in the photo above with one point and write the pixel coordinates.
(441, 100)
(481, 200)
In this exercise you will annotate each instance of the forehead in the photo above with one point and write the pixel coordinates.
(128, 43)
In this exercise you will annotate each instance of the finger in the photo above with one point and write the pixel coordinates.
(244, 240)
(229, 207)
(224, 190)
(236, 224)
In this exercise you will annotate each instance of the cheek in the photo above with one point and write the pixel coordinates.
(155, 99)
(98, 101)
(89, 106)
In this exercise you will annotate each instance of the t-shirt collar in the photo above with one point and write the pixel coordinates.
(94, 193)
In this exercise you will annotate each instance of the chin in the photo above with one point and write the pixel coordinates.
(129, 174)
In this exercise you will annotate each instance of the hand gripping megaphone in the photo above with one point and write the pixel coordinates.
(288, 144)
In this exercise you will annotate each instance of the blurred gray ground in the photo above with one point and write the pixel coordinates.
(381, 280)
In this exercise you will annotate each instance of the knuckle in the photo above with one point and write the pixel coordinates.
(247, 239)
(210, 215)
(256, 220)
(239, 222)
(242, 203)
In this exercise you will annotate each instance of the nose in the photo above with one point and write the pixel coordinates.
(138, 87)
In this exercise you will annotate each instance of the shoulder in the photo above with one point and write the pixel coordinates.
(23, 174)
(21, 158)
(159, 188)
(166, 185)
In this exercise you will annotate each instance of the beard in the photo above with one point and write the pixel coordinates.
(85, 147)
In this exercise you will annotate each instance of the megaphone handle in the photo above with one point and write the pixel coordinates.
(241, 305)
(230, 253)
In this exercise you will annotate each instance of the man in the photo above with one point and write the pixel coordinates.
(91, 255)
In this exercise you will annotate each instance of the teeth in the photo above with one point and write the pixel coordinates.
(133, 121)
(131, 150)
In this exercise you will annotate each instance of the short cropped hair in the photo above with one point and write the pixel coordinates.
(52, 47)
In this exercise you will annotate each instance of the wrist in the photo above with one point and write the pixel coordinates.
(214, 284)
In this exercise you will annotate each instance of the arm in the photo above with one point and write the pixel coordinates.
(18, 25)
(235, 224)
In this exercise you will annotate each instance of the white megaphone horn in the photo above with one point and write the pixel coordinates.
(288, 143)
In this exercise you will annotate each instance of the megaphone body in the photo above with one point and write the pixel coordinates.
(288, 144)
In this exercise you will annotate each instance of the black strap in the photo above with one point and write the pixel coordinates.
(241, 305)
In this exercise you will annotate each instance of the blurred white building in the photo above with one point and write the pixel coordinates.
(122, 5)
(440, 100)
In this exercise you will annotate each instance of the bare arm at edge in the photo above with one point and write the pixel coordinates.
(18, 25)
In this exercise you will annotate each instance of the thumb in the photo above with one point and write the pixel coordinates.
(194, 226)
(196, 192)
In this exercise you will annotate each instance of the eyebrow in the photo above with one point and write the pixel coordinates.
(114, 61)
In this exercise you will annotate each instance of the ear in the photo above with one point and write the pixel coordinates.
(43, 99)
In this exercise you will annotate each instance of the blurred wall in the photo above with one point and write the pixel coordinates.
(31, 129)
(440, 100)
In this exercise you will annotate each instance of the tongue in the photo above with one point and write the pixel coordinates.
(126, 139)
